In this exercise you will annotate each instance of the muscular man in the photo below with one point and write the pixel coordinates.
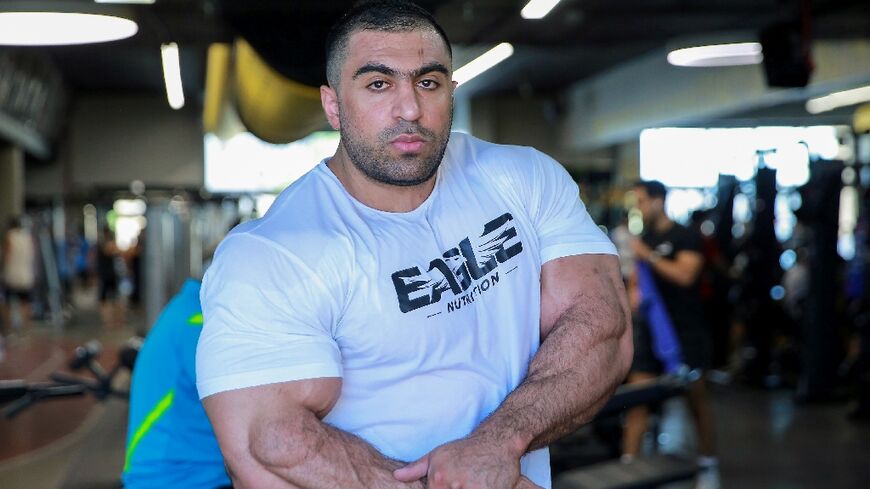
(420, 296)
(673, 252)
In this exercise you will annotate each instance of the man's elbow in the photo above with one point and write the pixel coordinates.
(247, 473)
(624, 352)
(689, 274)
(278, 446)
(269, 457)
(686, 280)
(264, 466)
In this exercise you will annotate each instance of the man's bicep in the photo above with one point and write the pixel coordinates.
(691, 262)
(261, 427)
(591, 282)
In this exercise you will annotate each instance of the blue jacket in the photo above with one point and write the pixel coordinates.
(170, 442)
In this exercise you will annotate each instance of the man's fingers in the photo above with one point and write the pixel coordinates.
(524, 483)
(414, 471)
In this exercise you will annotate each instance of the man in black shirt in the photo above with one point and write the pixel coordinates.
(673, 253)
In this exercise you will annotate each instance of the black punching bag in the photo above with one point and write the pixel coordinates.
(821, 325)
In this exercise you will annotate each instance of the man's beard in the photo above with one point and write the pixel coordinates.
(375, 161)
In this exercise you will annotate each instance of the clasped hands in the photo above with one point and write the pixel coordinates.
(468, 463)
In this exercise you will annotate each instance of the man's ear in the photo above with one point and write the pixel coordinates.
(329, 101)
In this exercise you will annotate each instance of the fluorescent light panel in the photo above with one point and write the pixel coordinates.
(838, 99)
(172, 75)
(731, 54)
(62, 28)
(483, 62)
(538, 9)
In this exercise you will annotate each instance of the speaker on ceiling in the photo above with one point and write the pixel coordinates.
(787, 59)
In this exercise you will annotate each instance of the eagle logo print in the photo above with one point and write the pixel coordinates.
(459, 267)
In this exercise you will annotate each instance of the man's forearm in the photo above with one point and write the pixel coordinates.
(572, 375)
(682, 274)
(310, 454)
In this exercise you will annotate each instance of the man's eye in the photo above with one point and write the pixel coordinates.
(378, 85)
(429, 84)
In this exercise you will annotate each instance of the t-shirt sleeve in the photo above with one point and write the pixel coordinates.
(690, 241)
(564, 226)
(268, 318)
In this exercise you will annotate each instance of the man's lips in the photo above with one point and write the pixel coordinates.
(408, 143)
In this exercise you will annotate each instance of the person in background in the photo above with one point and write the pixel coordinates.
(19, 275)
(674, 255)
(170, 442)
(83, 260)
(622, 237)
(134, 259)
(107, 272)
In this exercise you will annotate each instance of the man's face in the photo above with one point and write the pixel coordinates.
(650, 208)
(395, 104)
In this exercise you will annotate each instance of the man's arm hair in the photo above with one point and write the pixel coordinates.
(272, 436)
(585, 353)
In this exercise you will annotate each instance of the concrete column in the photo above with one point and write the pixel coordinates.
(154, 292)
(11, 183)
(626, 163)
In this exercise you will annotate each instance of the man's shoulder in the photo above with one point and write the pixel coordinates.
(293, 233)
(680, 230)
(472, 149)
(297, 239)
(302, 213)
(181, 308)
(508, 167)
(683, 237)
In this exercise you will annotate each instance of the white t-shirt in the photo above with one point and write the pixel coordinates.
(19, 271)
(431, 317)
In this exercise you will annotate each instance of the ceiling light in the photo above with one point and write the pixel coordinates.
(838, 99)
(172, 75)
(730, 54)
(52, 23)
(483, 62)
(538, 9)
(143, 2)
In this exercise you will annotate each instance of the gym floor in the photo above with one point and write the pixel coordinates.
(765, 439)
(72, 443)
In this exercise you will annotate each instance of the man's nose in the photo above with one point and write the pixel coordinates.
(407, 103)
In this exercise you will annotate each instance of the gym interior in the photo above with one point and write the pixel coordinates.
(126, 157)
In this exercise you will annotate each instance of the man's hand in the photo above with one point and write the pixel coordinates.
(468, 463)
(640, 249)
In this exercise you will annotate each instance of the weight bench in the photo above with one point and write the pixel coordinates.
(641, 473)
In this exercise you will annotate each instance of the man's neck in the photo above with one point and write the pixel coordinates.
(374, 194)
(662, 224)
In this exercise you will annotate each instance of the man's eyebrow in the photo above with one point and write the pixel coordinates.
(386, 70)
(376, 68)
(440, 68)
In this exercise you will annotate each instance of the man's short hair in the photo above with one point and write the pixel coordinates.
(375, 15)
(653, 188)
